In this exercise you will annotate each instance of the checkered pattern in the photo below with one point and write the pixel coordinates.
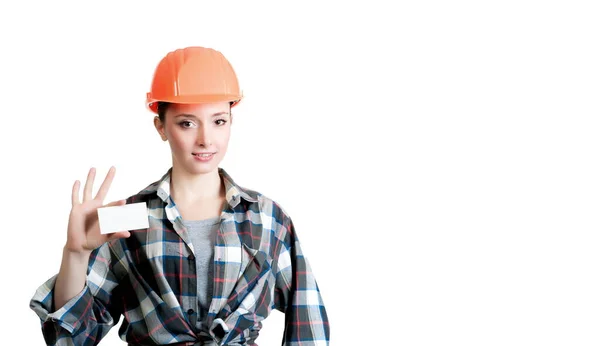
(150, 279)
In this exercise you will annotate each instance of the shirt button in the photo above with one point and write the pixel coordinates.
(190, 311)
(191, 257)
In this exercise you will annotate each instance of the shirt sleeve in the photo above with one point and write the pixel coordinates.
(87, 317)
(297, 295)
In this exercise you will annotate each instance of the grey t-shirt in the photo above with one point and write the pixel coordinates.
(202, 235)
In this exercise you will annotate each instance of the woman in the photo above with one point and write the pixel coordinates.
(216, 257)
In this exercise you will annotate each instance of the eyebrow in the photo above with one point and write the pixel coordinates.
(195, 117)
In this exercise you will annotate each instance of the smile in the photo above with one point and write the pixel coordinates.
(203, 157)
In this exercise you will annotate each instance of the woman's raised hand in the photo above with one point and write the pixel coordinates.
(83, 233)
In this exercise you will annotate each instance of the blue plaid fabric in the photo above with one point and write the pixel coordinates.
(150, 280)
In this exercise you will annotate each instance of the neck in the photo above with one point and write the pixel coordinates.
(186, 187)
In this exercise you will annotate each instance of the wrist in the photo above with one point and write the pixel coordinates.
(79, 255)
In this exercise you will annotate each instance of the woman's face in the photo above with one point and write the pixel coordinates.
(195, 129)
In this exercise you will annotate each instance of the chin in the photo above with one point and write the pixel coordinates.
(201, 168)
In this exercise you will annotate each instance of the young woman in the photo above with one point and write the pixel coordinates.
(216, 257)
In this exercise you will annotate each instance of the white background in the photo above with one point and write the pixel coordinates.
(439, 159)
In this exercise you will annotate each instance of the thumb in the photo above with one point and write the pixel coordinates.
(118, 235)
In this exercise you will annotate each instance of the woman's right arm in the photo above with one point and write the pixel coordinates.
(71, 278)
(83, 236)
(75, 305)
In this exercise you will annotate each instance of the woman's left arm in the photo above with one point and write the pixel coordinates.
(297, 294)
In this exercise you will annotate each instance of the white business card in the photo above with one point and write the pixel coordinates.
(123, 217)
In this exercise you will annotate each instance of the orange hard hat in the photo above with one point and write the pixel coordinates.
(193, 75)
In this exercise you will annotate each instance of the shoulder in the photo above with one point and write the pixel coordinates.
(271, 215)
(275, 219)
(267, 205)
(254, 200)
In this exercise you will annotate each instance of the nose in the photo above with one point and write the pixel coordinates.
(203, 137)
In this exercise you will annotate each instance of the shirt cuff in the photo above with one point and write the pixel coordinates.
(70, 314)
(67, 316)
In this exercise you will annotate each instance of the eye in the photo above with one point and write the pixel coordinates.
(183, 124)
(223, 121)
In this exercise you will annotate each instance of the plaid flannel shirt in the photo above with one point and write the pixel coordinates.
(150, 279)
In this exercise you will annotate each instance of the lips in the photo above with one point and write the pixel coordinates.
(203, 157)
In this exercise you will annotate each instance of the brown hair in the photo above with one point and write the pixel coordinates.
(161, 109)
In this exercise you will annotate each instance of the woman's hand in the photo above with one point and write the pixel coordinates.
(83, 233)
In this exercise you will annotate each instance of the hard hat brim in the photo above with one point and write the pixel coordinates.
(152, 102)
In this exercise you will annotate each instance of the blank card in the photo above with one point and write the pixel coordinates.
(123, 217)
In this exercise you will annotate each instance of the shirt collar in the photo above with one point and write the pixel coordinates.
(233, 192)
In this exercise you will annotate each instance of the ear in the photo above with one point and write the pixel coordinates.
(160, 128)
